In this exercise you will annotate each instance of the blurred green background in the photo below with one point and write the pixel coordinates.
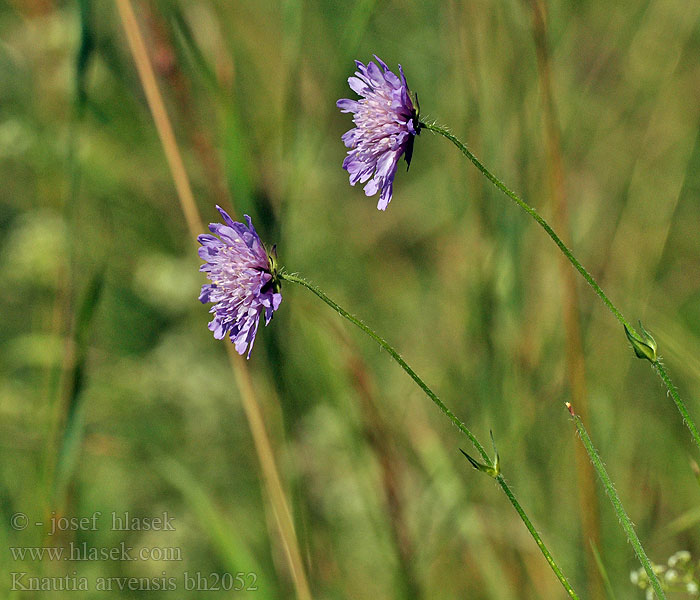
(115, 397)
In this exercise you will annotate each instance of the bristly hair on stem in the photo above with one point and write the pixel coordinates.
(630, 331)
(617, 504)
(494, 465)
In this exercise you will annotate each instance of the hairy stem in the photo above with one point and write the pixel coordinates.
(574, 261)
(534, 214)
(673, 392)
(617, 505)
(535, 535)
(450, 415)
(395, 355)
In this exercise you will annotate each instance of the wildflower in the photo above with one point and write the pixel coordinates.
(244, 282)
(386, 123)
(679, 558)
(671, 575)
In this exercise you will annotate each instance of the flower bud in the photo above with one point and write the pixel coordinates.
(644, 345)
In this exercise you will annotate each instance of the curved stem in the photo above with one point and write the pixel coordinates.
(535, 215)
(395, 355)
(617, 505)
(573, 260)
(450, 415)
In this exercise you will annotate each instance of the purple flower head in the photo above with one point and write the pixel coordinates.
(244, 282)
(386, 123)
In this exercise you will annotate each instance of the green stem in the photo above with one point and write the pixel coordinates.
(573, 260)
(617, 505)
(395, 355)
(677, 399)
(535, 215)
(535, 535)
(450, 415)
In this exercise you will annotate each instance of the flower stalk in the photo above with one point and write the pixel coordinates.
(492, 468)
(617, 504)
(643, 344)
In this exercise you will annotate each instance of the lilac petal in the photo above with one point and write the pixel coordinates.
(250, 225)
(350, 138)
(252, 336)
(385, 197)
(364, 175)
(382, 63)
(374, 74)
(346, 105)
(218, 329)
(223, 230)
(403, 78)
(372, 187)
(358, 86)
(205, 293)
(241, 344)
(386, 165)
(205, 252)
(392, 80)
(229, 221)
(205, 239)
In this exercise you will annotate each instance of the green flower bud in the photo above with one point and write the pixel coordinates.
(644, 345)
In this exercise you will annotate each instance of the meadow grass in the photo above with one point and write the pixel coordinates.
(470, 292)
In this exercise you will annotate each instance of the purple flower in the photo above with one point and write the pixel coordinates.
(244, 282)
(385, 125)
